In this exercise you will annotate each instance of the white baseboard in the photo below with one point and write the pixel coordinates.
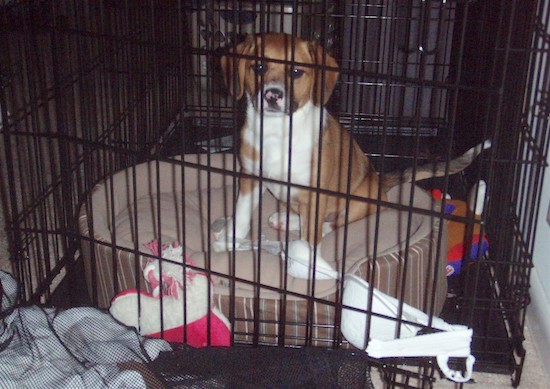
(538, 317)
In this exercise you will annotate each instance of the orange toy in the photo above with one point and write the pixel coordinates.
(464, 239)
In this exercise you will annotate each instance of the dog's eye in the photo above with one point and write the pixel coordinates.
(259, 68)
(297, 73)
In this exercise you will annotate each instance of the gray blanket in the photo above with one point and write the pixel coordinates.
(77, 348)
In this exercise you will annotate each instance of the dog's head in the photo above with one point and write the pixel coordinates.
(279, 74)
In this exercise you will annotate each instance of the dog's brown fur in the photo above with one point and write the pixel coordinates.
(342, 166)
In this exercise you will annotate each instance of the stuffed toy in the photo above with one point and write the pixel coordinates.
(142, 310)
(462, 236)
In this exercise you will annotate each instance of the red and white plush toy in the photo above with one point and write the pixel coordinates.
(142, 310)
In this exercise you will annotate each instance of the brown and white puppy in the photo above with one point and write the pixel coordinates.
(289, 137)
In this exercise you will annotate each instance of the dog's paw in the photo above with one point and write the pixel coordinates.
(223, 235)
(280, 222)
(220, 226)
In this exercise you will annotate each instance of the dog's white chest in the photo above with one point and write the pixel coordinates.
(281, 147)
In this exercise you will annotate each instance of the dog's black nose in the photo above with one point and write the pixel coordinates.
(273, 95)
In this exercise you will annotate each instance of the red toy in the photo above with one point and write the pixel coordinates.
(203, 320)
(462, 236)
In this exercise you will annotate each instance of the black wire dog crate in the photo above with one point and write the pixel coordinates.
(95, 91)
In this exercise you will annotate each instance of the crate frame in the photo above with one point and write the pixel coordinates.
(77, 106)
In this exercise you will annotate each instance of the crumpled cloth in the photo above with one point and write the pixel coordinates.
(78, 348)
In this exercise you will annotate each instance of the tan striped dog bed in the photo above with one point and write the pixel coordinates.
(400, 252)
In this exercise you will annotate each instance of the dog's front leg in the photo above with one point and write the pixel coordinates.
(311, 225)
(228, 234)
(247, 202)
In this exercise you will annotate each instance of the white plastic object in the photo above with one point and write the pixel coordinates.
(476, 197)
(453, 341)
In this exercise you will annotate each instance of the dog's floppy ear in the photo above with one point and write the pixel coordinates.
(234, 67)
(325, 79)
